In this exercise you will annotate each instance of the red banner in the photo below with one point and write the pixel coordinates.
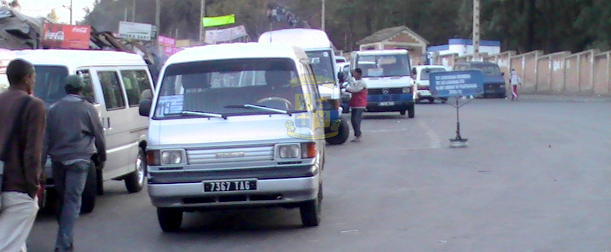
(66, 36)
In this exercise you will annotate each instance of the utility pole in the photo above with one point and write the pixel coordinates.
(71, 8)
(202, 13)
(157, 23)
(476, 29)
(323, 15)
(134, 11)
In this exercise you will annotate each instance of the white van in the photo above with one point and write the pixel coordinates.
(218, 141)
(319, 49)
(389, 80)
(421, 76)
(115, 82)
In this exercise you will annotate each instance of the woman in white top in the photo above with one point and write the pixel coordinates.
(515, 80)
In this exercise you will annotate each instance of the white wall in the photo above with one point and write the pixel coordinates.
(468, 50)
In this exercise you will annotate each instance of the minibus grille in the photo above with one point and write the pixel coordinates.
(230, 155)
(379, 91)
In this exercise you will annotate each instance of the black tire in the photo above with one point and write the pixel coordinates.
(411, 111)
(444, 100)
(134, 182)
(342, 135)
(170, 219)
(90, 192)
(99, 182)
(310, 211)
(402, 112)
(431, 100)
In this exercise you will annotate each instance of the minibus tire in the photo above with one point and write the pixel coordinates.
(411, 111)
(310, 211)
(342, 135)
(133, 182)
(170, 219)
(90, 192)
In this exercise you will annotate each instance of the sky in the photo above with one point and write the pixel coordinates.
(43, 7)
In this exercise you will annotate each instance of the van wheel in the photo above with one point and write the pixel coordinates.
(310, 211)
(170, 219)
(342, 134)
(411, 111)
(90, 192)
(134, 182)
(99, 182)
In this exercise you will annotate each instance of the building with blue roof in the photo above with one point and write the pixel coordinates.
(464, 47)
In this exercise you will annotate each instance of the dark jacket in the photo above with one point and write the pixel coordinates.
(23, 169)
(73, 129)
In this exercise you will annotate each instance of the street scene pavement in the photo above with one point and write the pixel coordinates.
(535, 177)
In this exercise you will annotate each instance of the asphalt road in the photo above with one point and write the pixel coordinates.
(535, 177)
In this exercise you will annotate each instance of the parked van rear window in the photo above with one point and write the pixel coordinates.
(424, 75)
(212, 86)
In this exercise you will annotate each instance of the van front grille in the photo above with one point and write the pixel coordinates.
(230, 155)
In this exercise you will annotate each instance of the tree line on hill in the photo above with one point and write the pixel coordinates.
(521, 25)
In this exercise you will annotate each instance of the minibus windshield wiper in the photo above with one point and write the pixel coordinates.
(250, 106)
(198, 113)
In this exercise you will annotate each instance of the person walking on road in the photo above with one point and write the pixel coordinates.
(73, 129)
(21, 139)
(514, 80)
(358, 102)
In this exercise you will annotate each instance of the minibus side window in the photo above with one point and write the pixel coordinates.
(88, 92)
(113, 95)
(135, 82)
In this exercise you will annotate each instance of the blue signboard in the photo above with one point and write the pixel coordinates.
(456, 83)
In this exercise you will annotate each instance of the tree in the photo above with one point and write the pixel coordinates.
(53, 16)
(521, 25)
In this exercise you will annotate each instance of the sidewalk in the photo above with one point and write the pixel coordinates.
(563, 98)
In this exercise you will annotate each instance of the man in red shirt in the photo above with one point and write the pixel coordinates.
(358, 102)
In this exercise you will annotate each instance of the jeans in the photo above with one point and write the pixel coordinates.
(69, 182)
(355, 119)
(16, 220)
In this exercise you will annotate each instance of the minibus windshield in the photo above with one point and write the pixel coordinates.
(229, 87)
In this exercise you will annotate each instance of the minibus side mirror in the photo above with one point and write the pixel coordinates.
(144, 107)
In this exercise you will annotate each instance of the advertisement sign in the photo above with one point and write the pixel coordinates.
(218, 21)
(169, 51)
(456, 83)
(213, 36)
(166, 41)
(66, 36)
(137, 31)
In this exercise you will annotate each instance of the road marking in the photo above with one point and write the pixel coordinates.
(435, 140)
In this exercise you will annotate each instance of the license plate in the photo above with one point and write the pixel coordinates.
(230, 186)
(386, 103)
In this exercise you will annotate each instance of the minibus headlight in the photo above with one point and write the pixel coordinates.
(407, 90)
(289, 151)
(171, 157)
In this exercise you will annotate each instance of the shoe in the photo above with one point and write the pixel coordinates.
(71, 249)
(356, 139)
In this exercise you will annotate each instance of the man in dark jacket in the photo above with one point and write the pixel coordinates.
(73, 129)
(22, 168)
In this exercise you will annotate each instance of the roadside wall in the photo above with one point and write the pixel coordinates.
(583, 73)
